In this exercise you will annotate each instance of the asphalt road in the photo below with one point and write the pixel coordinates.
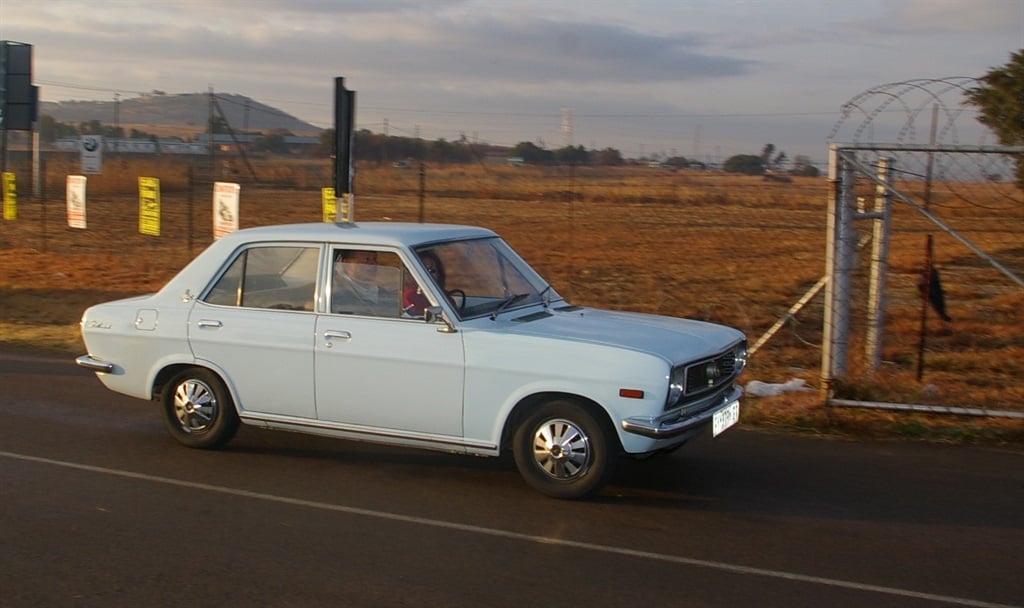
(99, 507)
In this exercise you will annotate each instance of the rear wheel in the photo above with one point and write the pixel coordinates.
(565, 451)
(198, 410)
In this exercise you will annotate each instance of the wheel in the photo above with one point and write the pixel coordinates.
(457, 293)
(565, 451)
(198, 410)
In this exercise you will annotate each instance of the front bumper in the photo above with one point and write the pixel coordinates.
(657, 427)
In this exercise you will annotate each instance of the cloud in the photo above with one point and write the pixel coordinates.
(506, 69)
(952, 16)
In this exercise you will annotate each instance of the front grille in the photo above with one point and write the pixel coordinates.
(710, 374)
(697, 383)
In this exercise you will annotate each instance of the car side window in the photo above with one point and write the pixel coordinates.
(275, 277)
(366, 282)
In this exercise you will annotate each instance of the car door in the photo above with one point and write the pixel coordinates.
(385, 372)
(256, 325)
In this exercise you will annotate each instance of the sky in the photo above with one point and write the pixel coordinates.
(703, 79)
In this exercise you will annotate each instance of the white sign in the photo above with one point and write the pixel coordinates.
(76, 201)
(92, 154)
(225, 208)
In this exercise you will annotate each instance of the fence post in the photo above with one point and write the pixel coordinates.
(879, 265)
(840, 248)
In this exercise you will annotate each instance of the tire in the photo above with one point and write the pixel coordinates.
(564, 451)
(198, 410)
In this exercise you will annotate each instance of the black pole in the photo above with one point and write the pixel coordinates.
(344, 135)
(925, 289)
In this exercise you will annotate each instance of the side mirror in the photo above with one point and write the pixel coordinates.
(435, 314)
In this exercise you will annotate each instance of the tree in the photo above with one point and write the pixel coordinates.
(747, 164)
(572, 155)
(532, 154)
(608, 156)
(779, 162)
(1000, 101)
(677, 162)
(51, 130)
(803, 167)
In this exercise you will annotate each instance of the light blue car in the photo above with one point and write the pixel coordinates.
(420, 335)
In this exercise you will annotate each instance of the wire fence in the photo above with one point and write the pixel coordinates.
(940, 294)
(738, 250)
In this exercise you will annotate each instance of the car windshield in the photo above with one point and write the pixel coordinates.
(485, 277)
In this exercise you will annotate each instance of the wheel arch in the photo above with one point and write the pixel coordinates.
(170, 371)
(528, 404)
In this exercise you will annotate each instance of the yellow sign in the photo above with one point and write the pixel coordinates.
(328, 204)
(10, 197)
(332, 211)
(149, 206)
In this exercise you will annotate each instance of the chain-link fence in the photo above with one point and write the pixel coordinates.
(738, 250)
(924, 256)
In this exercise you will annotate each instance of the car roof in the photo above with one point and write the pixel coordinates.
(395, 234)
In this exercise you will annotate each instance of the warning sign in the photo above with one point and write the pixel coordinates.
(225, 208)
(149, 206)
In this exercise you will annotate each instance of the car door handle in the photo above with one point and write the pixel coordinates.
(331, 335)
(209, 323)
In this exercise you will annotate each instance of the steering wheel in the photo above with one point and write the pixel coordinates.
(452, 294)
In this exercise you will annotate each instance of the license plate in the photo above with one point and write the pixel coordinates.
(725, 418)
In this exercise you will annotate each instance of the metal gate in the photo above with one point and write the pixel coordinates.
(882, 170)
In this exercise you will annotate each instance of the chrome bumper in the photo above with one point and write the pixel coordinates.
(95, 365)
(664, 428)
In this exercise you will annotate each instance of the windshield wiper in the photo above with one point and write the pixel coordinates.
(509, 301)
(545, 298)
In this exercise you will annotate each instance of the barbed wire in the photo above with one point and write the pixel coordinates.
(939, 106)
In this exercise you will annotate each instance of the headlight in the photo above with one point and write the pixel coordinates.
(740, 357)
(676, 386)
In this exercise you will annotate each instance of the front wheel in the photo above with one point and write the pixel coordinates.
(198, 410)
(564, 451)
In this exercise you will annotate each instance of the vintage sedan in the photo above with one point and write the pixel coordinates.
(423, 335)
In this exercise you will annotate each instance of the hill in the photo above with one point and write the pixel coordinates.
(179, 110)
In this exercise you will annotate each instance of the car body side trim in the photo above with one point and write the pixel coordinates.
(362, 433)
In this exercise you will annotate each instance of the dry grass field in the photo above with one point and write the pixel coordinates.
(729, 249)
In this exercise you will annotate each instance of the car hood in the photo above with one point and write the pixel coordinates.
(677, 340)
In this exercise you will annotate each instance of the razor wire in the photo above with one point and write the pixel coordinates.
(907, 116)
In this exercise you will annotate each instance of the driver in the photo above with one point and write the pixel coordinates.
(414, 301)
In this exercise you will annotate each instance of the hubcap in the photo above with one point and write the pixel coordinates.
(195, 406)
(561, 449)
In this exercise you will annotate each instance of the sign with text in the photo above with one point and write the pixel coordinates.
(10, 197)
(92, 154)
(149, 206)
(225, 208)
(329, 204)
(76, 201)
